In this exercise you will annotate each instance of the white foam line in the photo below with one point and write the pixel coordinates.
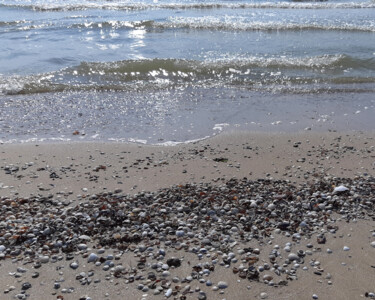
(172, 143)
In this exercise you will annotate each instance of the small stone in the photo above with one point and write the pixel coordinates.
(202, 296)
(222, 285)
(293, 256)
(21, 270)
(44, 259)
(92, 257)
(74, 265)
(175, 262)
(263, 295)
(373, 244)
(315, 296)
(26, 286)
(84, 237)
(82, 247)
(166, 274)
(346, 248)
(168, 293)
(180, 233)
(157, 292)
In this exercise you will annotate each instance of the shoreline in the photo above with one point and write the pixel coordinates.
(100, 167)
(65, 181)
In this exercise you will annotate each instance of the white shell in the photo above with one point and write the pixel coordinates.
(168, 293)
(340, 189)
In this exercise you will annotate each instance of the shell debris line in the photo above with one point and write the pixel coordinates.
(213, 223)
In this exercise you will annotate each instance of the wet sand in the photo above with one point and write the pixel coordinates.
(67, 168)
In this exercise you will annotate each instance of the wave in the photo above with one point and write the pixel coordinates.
(249, 72)
(212, 23)
(207, 23)
(184, 6)
(11, 23)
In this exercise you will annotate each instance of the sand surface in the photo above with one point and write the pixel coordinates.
(73, 172)
(68, 168)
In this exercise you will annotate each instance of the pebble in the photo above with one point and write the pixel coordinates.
(74, 265)
(82, 246)
(180, 233)
(222, 285)
(346, 248)
(84, 237)
(293, 256)
(26, 286)
(168, 293)
(44, 259)
(92, 257)
(315, 296)
(186, 219)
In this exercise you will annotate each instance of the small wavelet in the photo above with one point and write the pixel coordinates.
(252, 72)
(45, 7)
(238, 24)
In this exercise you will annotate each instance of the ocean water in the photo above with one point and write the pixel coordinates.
(175, 71)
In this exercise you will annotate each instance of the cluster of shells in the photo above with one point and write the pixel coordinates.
(197, 218)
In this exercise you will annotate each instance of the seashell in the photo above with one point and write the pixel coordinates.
(168, 293)
(267, 277)
(340, 189)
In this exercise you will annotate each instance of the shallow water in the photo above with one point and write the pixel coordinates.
(170, 71)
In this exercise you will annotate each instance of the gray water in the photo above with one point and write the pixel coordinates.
(158, 71)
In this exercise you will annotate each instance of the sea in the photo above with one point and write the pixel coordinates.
(175, 71)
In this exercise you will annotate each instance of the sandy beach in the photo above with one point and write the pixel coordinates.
(75, 177)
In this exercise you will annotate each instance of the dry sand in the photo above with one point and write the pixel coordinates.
(73, 172)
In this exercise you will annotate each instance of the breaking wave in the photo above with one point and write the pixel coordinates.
(248, 72)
